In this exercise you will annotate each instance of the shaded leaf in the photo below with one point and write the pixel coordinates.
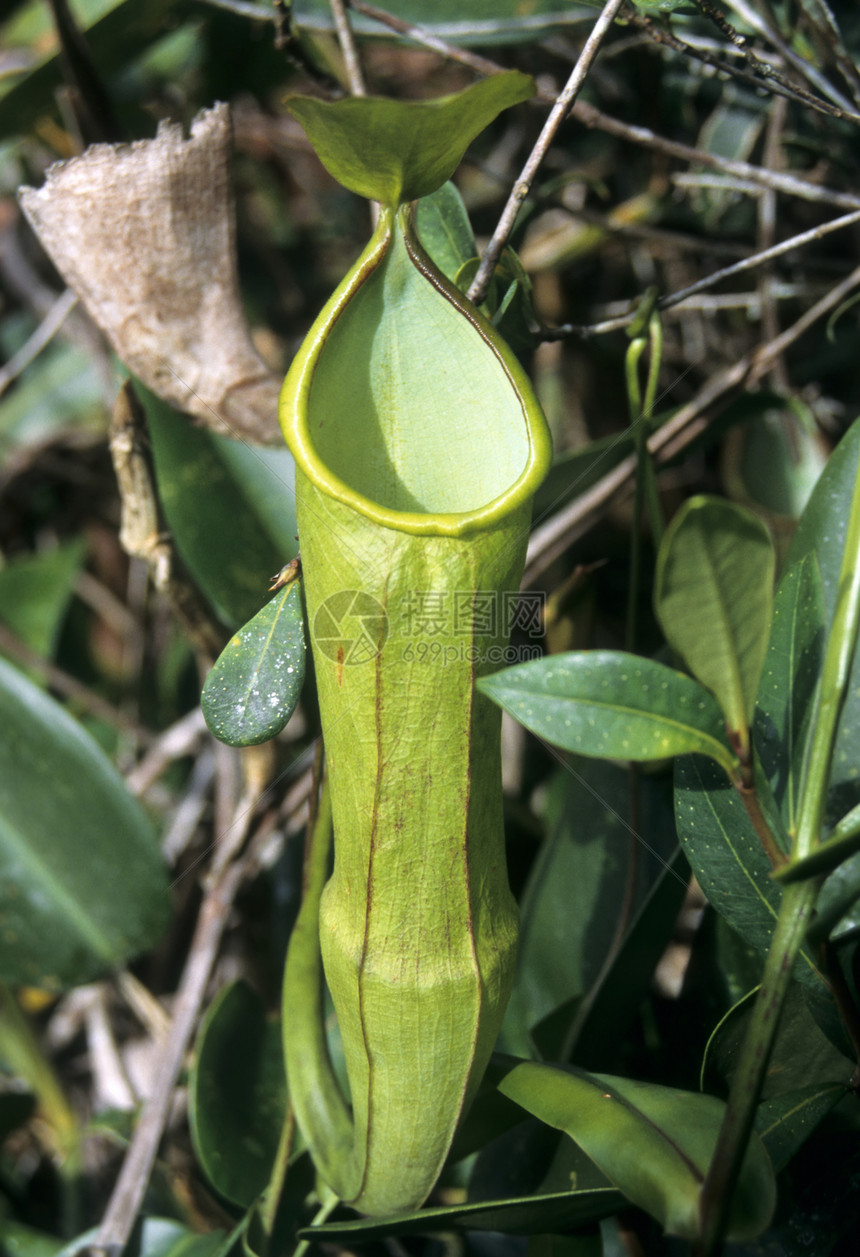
(786, 1122)
(713, 595)
(35, 591)
(82, 883)
(599, 1028)
(653, 1142)
(256, 682)
(786, 697)
(801, 1055)
(396, 151)
(572, 903)
(237, 1093)
(612, 705)
(230, 507)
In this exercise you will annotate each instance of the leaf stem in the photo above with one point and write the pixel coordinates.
(715, 1202)
(478, 290)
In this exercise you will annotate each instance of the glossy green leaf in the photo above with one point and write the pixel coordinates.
(821, 532)
(612, 705)
(35, 591)
(397, 151)
(713, 597)
(786, 697)
(727, 857)
(442, 225)
(529, 1215)
(82, 883)
(399, 384)
(256, 682)
(230, 507)
(237, 1094)
(653, 1142)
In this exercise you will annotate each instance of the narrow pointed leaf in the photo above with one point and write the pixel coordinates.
(256, 682)
(612, 705)
(786, 697)
(524, 1215)
(821, 532)
(653, 1142)
(713, 597)
(82, 883)
(396, 151)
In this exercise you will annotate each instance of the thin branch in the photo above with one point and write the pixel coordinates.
(348, 47)
(130, 1187)
(44, 333)
(552, 538)
(811, 73)
(701, 285)
(758, 73)
(591, 116)
(426, 38)
(559, 112)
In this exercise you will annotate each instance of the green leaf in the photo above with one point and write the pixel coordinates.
(727, 857)
(238, 1095)
(786, 697)
(35, 591)
(256, 682)
(230, 507)
(525, 1215)
(821, 532)
(612, 705)
(713, 596)
(82, 884)
(653, 1142)
(443, 227)
(802, 1054)
(397, 151)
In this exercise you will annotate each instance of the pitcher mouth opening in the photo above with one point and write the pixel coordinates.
(428, 424)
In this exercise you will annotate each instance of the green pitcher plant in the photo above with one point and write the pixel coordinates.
(418, 445)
